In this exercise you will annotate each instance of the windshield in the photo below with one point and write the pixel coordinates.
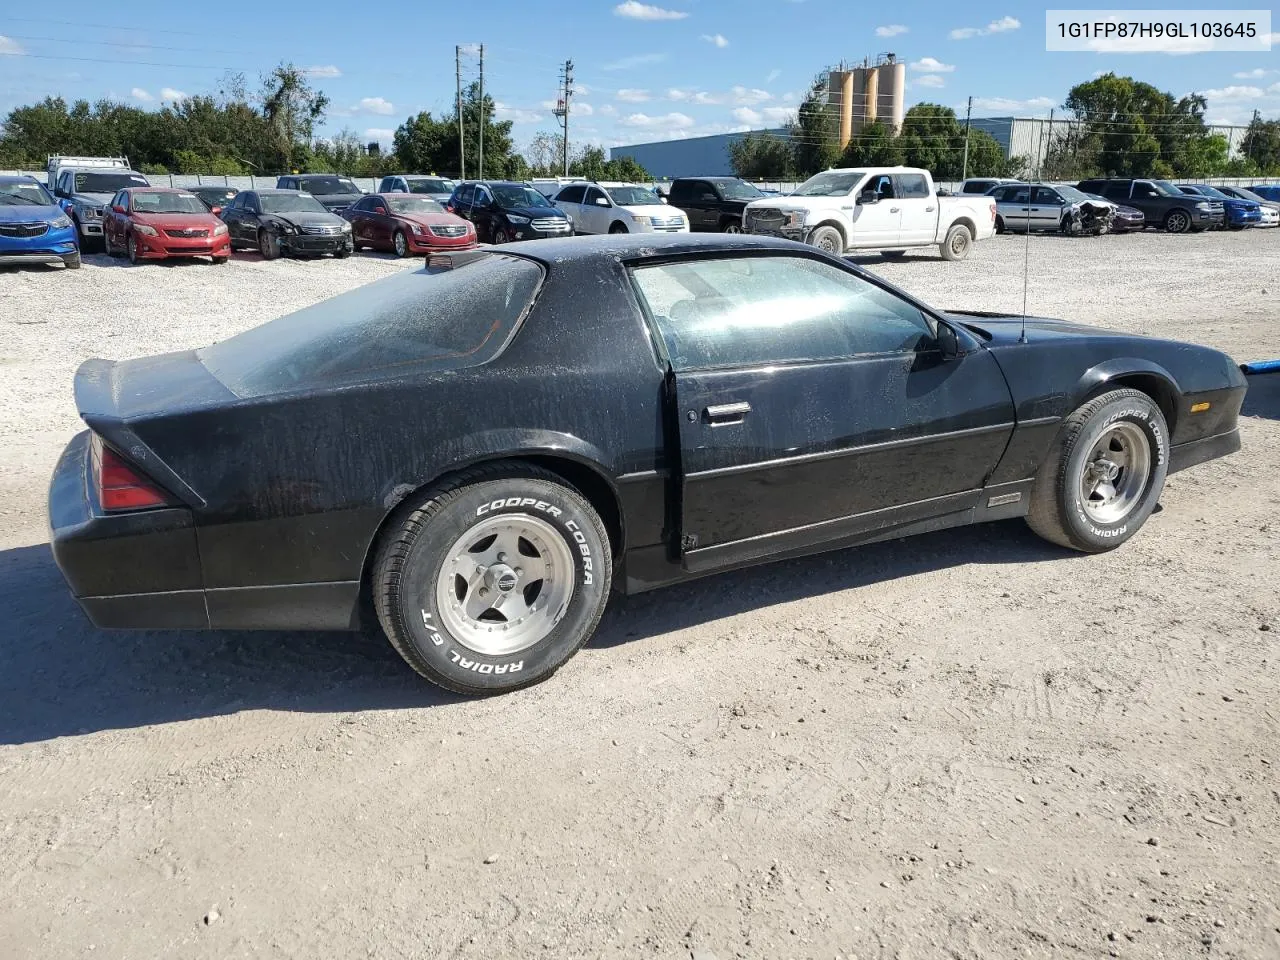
(1212, 192)
(216, 193)
(431, 186)
(403, 204)
(1244, 194)
(323, 186)
(290, 203)
(1072, 195)
(107, 182)
(509, 196)
(829, 184)
(634, 196)
(24, 194)
(168, 203)
(739, 190)
(1167, 189)
(415, 322)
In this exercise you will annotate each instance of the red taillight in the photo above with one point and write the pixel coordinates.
(120, 485)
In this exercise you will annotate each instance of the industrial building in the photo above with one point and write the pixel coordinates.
(690, 157)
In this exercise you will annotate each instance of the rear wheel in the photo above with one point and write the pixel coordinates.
(1000, 224)
(1105, 475)
(400, 244)
(958, 243)
(492, 582)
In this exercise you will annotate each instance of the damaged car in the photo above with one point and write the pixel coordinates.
(1049, 207)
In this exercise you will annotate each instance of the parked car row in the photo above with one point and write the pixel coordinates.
(1126, 203)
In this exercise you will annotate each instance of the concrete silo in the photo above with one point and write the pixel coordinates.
(868, 93)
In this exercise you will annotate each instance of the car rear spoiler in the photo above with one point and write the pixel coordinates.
(452, 261)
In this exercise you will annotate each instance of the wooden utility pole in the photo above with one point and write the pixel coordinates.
(964, 167)
(462, 151)
(480, 175)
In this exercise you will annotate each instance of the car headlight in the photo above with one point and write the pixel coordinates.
(1202, 206)
(91, 213)
(514, 219)
(416, 229)
(146, 231)
(795, 218)
(346, 227)
(220, 229)
(58, 223)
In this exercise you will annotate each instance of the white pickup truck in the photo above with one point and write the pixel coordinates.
(891, 209)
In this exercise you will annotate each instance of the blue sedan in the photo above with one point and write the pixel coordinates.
(1240, 213)
(1270, 191)
(33, 228)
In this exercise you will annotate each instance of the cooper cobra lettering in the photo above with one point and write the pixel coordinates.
(539, 505)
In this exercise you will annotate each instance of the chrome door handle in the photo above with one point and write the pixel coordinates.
(928, 209)
(722, 413)
(893, 209)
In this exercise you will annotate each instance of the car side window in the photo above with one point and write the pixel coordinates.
(572, 194)
(1116, 191)
(251, 203)
(912, 186)
(1047, 197)
(882, 186)
(749, 311)
(1143, 189)
(594, 194)
(1020, 195)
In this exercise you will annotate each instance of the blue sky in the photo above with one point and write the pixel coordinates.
(643, 71)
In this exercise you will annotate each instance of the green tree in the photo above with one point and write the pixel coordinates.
(815, 135)
(762, 156)
(425, 144)
(874, 146)
(292, 108)
(1261, 145)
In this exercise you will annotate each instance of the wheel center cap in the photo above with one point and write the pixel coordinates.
(501, 577)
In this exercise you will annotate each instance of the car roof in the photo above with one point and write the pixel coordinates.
(716, 179)
(276, 190)
(495, 183)
(19, 178)
(157, 189)
(647, 246)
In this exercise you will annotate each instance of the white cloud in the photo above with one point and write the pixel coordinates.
(1235, 93)
(139, 94)
(930, 65)
(638, 60)
(168, 93)
(582, 109)
(674, 119)
(327, 70)
(381, 134)
(632, 96)
(773, 116)
(635, 10)
(607, 109)
(716, 40)
(376, 105)
(1257, 74)
(750, 97)
(892, 30)
(930, 80)
(581, 90)
(10, 47)
(1005, 105)
(700, 97)
(1003, 25)
(774, 74)
(515, 114)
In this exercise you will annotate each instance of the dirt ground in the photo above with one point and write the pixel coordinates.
(963, 745)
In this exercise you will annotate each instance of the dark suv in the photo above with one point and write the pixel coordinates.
(1163, 204)
(713, 204)
(334, 192)
(503, 211)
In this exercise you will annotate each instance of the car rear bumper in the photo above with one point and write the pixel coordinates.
(142, 569)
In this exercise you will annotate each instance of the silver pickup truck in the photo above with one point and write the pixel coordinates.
(85, 185)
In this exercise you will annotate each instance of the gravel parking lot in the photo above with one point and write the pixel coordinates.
(967, 744)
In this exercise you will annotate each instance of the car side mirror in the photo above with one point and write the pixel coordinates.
(601, 202)
(948, 342)
(119, 209)
(379, 209)
(868, 196)
(215, 210)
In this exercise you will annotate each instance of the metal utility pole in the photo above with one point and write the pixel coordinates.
(1049, 146)
(480, 175)
(964, 168)
(562, 111)
(462, 152)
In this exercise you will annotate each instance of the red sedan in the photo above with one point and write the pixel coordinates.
(406, 224)
(155, 223)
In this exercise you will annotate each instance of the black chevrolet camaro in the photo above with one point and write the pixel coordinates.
(476, 453)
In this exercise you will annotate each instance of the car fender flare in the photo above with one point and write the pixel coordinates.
(1134, 372)
(840, 228)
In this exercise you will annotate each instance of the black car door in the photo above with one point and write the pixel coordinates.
(233, 214)
(814, 406)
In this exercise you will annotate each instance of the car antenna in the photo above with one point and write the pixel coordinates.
(1026, 252)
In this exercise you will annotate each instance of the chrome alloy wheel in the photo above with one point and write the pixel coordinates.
(1115, 474)
(505, 584)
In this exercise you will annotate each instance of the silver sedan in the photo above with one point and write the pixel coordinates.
(1038, 206)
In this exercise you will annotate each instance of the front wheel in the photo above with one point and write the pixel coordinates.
(731, 226)
(1104, 476)
(500, 236)
(343, 252)
(828, 240)
(131, 246)
(268, 245)
(1178, 221)
(72, 262)
(399, 244)
(492, 582)
(958, 243)
(617, 227)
